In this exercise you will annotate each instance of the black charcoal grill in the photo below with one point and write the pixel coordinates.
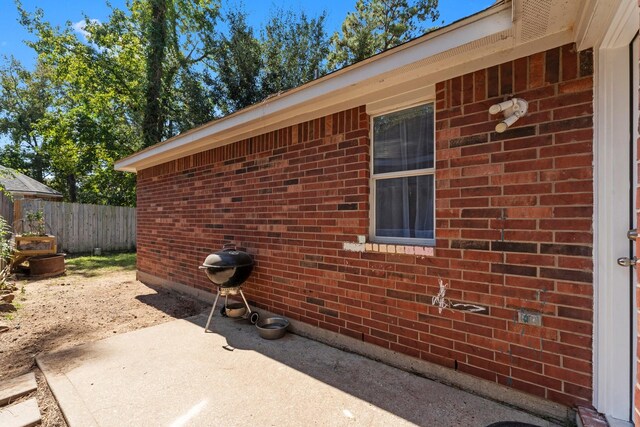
(228, 269)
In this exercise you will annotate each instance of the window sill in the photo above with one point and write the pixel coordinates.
(388, 248)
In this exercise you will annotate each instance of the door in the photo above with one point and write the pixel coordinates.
(616, 122)
(635, 139)
(631, 262)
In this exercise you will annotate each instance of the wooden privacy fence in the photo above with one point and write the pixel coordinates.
(6, 208)
(81, 228)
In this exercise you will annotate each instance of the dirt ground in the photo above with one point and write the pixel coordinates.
(95, 299)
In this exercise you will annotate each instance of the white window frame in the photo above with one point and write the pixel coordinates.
(401, 174)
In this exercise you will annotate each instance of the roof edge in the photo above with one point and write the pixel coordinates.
(273, 105)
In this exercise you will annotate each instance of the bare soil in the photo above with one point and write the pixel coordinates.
(84, 305)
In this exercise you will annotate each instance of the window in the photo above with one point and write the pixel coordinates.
(403, 177)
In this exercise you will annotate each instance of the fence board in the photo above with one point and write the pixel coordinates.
(79, 227)
(6, 208)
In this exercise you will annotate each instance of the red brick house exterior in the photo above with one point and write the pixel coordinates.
(514, 220)
(293, 197)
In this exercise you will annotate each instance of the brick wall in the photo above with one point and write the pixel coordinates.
(514, 228)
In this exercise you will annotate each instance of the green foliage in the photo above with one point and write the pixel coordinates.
(178, 35)
(291, 51)
(35, 223)
(24, 100)
(6, 251)
(127, 83)
(193, 102)
(238, 65)
(378, 25)
(294, 49)
(5, 244)
(162, 67)
(90, 109)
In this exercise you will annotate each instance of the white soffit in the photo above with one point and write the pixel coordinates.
(488, 38)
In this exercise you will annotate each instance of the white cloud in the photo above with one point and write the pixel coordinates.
(80, 26)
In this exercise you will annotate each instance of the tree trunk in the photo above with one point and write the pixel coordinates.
(72, 187)
(37, 163)
(37, 168)
(153, 124)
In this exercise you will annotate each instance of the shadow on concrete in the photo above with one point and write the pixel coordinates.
(417, 400)
(173, 303)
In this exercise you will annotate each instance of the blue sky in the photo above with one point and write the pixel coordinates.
(60, 11)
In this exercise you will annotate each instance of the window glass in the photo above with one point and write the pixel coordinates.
(403, 140)
(404, 207)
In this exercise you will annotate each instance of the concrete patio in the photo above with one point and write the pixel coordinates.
(174, 374)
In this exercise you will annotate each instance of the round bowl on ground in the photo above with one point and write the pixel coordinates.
(272, 328)
(235, 309)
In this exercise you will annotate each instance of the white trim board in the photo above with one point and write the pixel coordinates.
(611, 344)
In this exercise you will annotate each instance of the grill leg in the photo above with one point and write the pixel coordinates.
(213, 308)
(245, 301)
(252, 315)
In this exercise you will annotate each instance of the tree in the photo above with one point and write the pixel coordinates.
(124, 84)
(94, 106)
(177, 34)
(291, 51)
(156, 32)
(294, 51)
(24, 100)
(238, 65)
(194, 101)
(378, 25)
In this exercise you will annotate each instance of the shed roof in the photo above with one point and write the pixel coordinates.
(17, 183)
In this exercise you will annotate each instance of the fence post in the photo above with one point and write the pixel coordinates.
(17, 216)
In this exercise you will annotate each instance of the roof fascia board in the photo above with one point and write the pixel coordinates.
(594, 22)
(492, 21)
(419, 81)
(35, 193)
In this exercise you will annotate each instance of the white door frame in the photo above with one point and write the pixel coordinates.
(635, 136)
(612, 346)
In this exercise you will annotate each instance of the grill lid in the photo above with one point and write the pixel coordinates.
(228, 258)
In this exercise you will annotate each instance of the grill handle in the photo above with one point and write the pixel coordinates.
(229, 247)
(218, 267)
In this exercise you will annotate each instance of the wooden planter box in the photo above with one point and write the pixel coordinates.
(28, 246)
(35, 245)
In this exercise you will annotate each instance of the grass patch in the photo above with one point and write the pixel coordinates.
(95, 265)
